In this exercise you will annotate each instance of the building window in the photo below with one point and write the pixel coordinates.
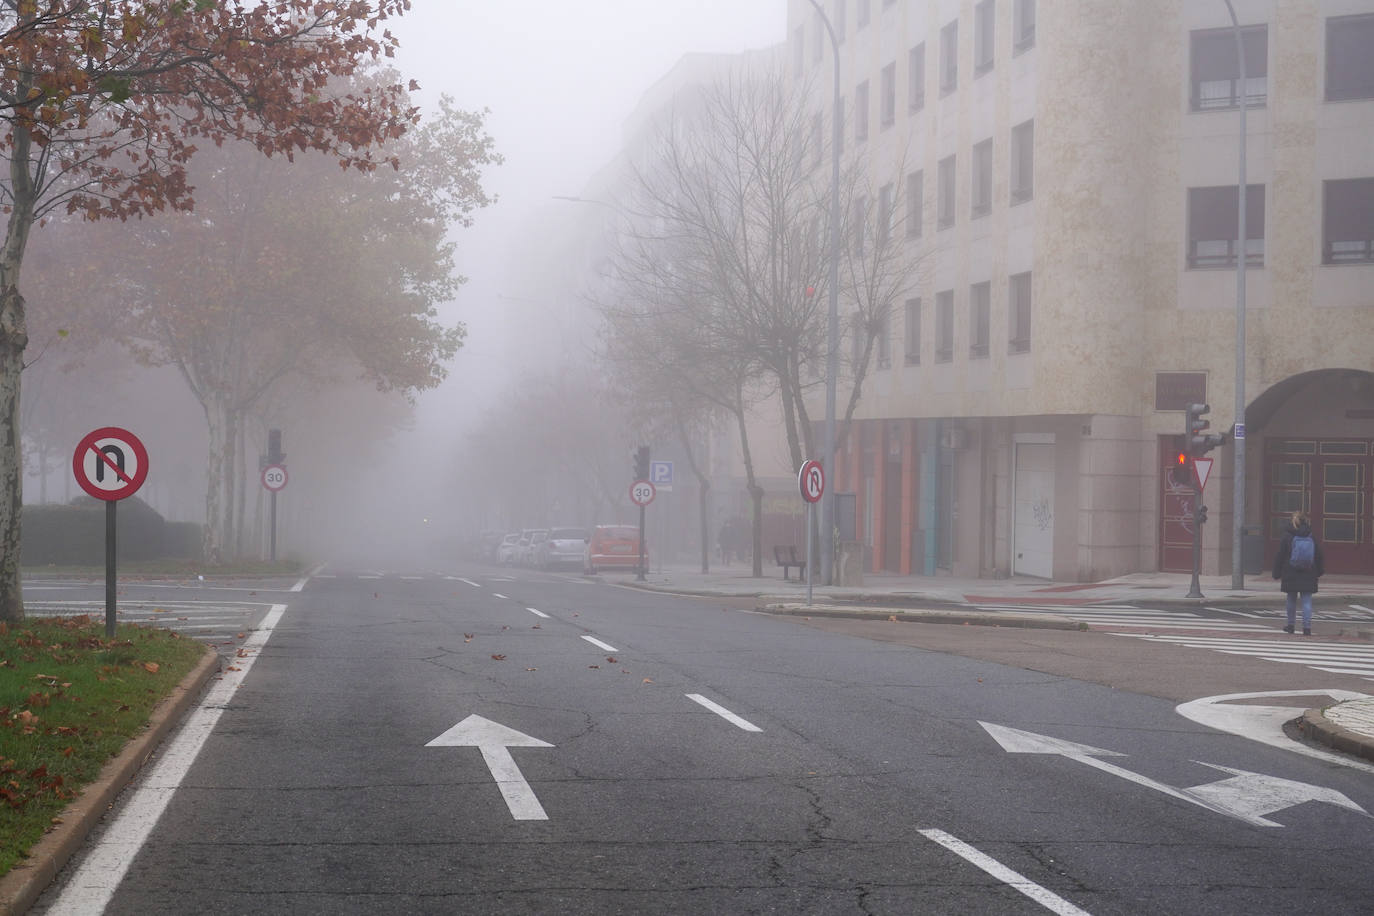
(915, 204)
(888, 104)
(916, 78)
(911, 328)
(984, 15)
(979, 319)
(864, 13)
(1023, 162)
(949, 58)
(861, 112)
(944, 326)
(1348, 221)
(884, 229)
(1023, 25)
(1019, 313)
(1349, 58)
(798, 51)
(982, 179)
(1216, 69)
(1212, 221)
(944, 214)
(860, 220)
(817, 139)
(883, 341)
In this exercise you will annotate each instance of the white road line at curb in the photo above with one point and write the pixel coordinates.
(537, 613)
(94, 883)
(724, 713)
(599, 644)
(1046, 898)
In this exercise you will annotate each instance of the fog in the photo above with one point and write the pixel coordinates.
(559, 81)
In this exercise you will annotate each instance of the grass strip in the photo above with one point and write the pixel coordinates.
(70, 699)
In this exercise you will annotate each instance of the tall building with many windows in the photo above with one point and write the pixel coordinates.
(1072, 185)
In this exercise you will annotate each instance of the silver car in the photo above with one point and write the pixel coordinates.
(563, 547)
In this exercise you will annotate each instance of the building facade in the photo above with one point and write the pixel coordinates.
(1071, 169)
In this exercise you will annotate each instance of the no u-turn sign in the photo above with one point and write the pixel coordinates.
(110, 463)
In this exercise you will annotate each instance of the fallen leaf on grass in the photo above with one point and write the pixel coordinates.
(151, 667)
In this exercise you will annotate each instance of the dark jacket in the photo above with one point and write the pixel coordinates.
(1302, 581)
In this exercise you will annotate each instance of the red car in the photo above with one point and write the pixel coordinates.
(614, 547)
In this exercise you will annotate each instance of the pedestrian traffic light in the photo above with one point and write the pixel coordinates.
(642, 463)
(1198, 441)
(1181, 473)
(1201, 515)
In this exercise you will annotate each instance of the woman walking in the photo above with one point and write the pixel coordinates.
(1298, 564)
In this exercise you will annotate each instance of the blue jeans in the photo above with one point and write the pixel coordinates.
(1306, 608)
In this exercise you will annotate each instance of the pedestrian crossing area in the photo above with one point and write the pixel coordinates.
(1332, 657)
(212, 622)
(1114, 617)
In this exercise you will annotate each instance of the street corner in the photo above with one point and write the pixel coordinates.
(1346, 726)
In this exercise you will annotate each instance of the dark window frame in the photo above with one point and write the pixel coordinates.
(1346, 44)
(1023, 26)
(1348, 221)
(1019, 305)
(1211, 227)
(980, 188)
(984, 36)
(949, 58)
(911, 331)
(945, 192)
(944, 326)
(1212, 63)
(980, 320)
(1022, 163)
(916, 78)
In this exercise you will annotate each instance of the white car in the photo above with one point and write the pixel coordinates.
(506, 550)
(563, 547)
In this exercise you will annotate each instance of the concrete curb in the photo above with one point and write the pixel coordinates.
(1316, 726)
(919, 615)
(24, 883)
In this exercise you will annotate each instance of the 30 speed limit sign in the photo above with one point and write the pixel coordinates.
(642, 492)
(811, 480)
(274, 477)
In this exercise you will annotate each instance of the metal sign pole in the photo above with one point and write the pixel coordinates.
(810, 546)
(110, 577)
(640, 576)
(1195, 589)
(274, 526)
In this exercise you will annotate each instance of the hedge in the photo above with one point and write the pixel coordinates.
(74, 534)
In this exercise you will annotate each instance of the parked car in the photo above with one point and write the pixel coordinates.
(508, 548)
(563, 546)
(613, 547)
(529, 548)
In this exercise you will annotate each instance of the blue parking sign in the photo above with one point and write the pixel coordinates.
(661, 473)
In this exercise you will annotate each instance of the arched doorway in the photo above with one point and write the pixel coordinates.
(1315, 438)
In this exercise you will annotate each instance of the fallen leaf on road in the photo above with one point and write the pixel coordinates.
(499, 658)
(648, 680)
(531, 669)
(593, 666)
(612, 659)
(893, 618)
(536, 627)
(467, 636)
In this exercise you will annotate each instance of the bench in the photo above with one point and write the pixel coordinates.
(786, 557)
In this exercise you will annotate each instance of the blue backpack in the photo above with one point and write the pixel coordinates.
(1303, 553)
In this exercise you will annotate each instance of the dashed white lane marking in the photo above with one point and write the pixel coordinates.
(499, 595)
(599, 644)
(537, 613)
(94, 883)
(724, 713)
(1015, 880)
(469, 582)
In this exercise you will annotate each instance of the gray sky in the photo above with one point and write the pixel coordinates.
(559, 78)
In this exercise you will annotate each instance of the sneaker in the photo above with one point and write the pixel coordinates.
(1288, 629)
(1306, 631)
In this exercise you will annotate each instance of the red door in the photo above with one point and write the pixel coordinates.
(1175, 514)
(1333, 480)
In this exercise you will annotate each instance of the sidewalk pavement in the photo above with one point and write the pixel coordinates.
(1346, 726)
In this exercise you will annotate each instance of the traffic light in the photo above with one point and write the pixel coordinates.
(274, 453)
(1201, 515)
(642, 463)
(1181, 474)
(1198, 441)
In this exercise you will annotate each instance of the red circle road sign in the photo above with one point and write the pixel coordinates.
(274, 477)
(642, 492)
(110, 463)
(811, 480)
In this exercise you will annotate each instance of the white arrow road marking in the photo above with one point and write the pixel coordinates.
(1265, 723)
(1013, 879)
(493, 739)
(1231, 797)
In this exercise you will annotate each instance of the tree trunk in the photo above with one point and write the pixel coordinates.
(756, 495)
(220, 422)
(12, 340)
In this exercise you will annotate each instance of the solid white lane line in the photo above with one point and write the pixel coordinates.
(1046, 898)
(599, 644)
(537, 613)
(469, 582)
(94, 883)
(724, 713)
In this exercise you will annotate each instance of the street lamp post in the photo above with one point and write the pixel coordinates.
(832, 352)
(1238, 441)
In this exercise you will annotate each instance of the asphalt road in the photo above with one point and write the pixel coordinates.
(703, 758)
